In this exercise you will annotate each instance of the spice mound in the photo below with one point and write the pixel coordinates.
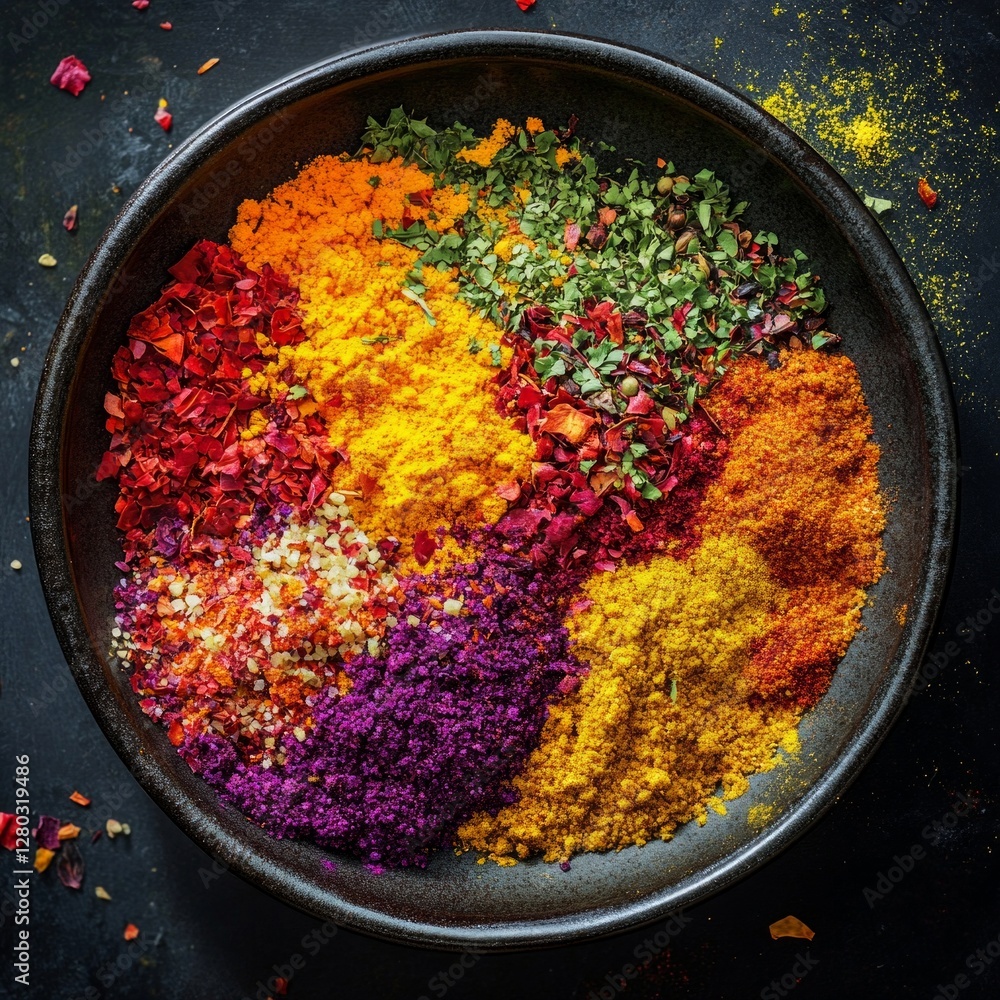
(480, 495)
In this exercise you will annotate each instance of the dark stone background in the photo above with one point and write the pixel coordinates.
(207, 935)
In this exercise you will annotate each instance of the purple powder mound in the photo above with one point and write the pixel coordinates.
(429, 734)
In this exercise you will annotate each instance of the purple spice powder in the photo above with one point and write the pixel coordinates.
(429, 734)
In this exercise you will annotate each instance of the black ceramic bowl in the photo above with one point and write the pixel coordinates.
(646, 107)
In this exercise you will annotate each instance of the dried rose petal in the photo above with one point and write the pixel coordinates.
(69, 219)
(47, 832)
(131, 932)
(71, 75)
(70, 866)
(79, 798)
(8, 830)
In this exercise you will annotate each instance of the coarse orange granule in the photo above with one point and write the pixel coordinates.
(801, 485)
(407, 396)
(484, 150)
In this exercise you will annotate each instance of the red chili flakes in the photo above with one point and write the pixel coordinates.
(163, 118)
(176, 424)
(131, 932)
(71, 75)
(927, 194)
(140, 4)
(79, 798)
(525, 4)
(166, 26)
(69, 219)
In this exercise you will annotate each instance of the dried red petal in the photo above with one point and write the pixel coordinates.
(424, 546)
(176, 733)
(71, 75)
(927, 194)
(525, 4)
(166, 26)
(8, 830)
(47, 832)
(69, 219)
(70, 866)
(140, 4)
(163, 118)
(131, 932)
(571, 236)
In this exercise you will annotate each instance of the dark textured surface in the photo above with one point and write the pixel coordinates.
(218, 935)
(457, 902)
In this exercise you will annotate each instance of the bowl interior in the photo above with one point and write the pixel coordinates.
(646, 109)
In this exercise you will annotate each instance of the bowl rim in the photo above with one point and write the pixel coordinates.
(857, 226)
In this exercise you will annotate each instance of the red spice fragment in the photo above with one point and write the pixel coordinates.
(140, 4)
(80, 799)
(166, 26)
(525, 4)
(131, 932)
(163, 118)
(69, 219)
(176, 424)
(927, 194)
(281, 986)
(71, 75)
(8, 830)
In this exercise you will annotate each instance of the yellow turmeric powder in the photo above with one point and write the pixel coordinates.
(404, 393)
(661, 719)
(745, 632)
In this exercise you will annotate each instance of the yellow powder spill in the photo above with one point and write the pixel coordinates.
(619, 762)
(843, 112)
(406, 399)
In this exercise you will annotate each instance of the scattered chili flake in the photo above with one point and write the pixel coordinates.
(43, 858)
(206, 66)
(281, 986)
(69, 831)
(163, 118)
(166, 26)
(71, 75)
(69, 219)
(131, 932)
(140, 4)
(790, 927)
(927, 194)
(101, 893)
(70, 866)
(80, 799)
(525, 4)
(8, 830)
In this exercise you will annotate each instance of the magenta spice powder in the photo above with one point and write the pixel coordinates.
(429, 734)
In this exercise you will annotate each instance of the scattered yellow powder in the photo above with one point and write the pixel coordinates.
(620, 762)
(406, 399)
(760, 815)
(484, 151)
(844, 112)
